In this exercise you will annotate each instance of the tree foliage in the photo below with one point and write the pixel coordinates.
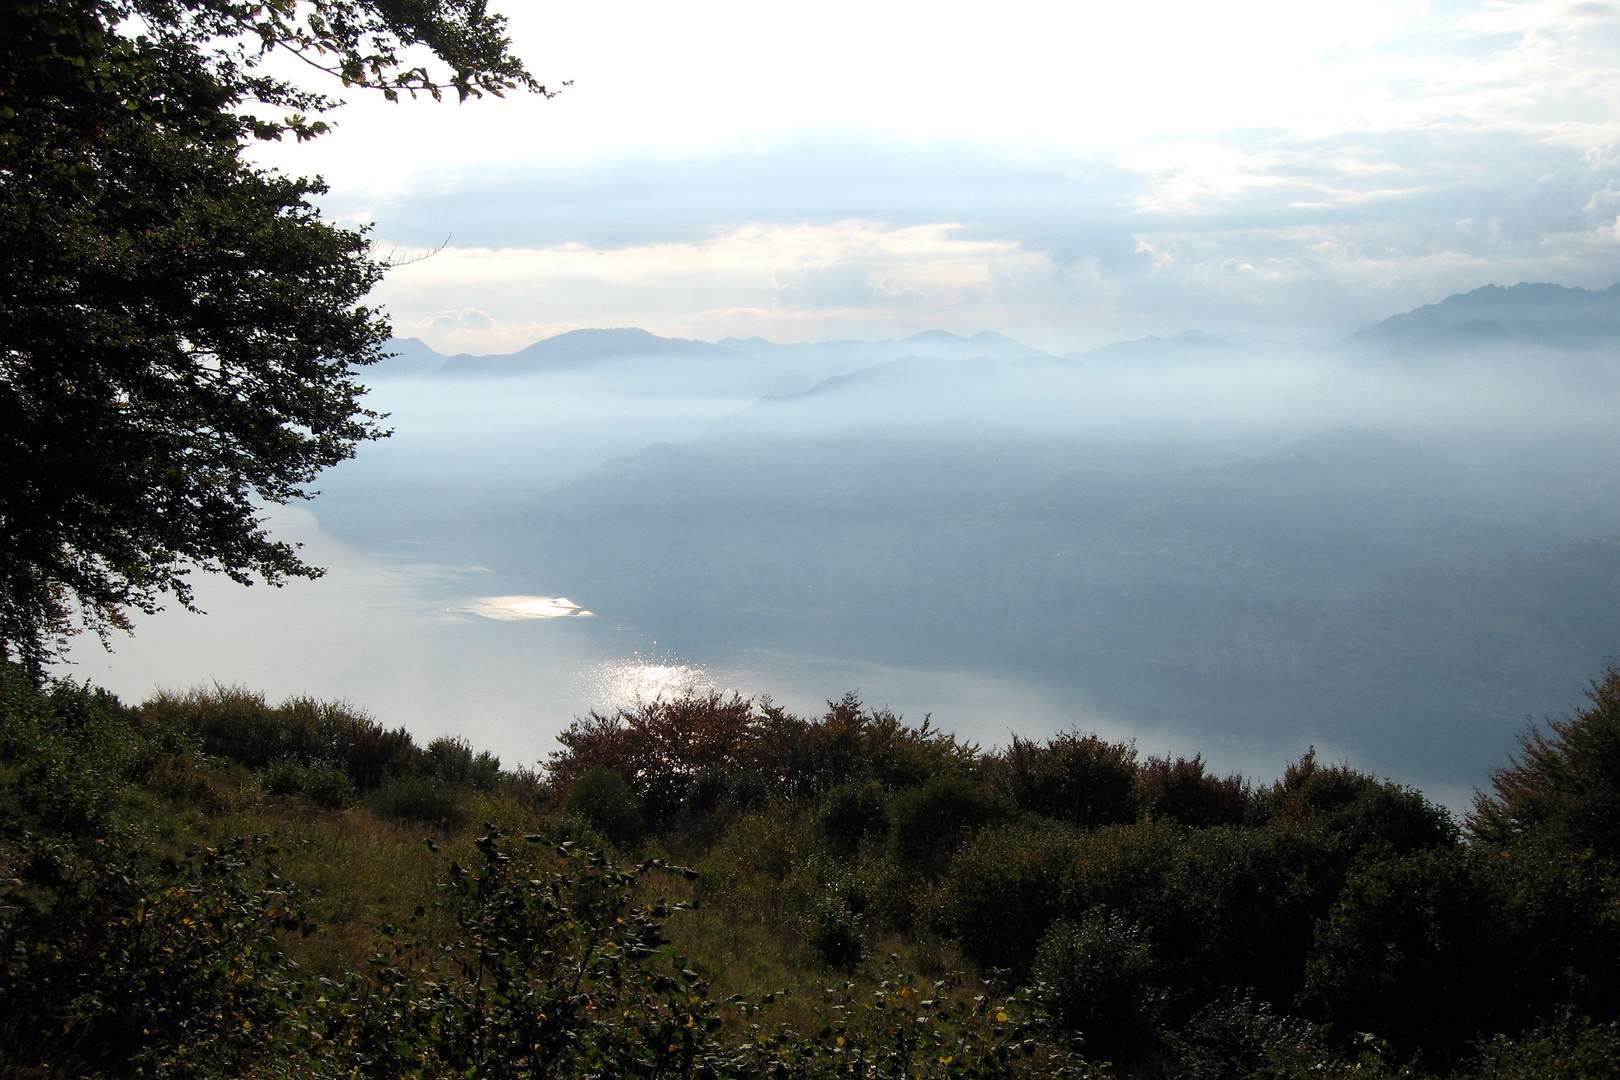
(1566, 784)
(179, 330)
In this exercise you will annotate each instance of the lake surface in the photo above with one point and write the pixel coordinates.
(1244, 556)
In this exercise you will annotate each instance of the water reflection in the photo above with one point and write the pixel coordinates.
(623, 684)
(509, 608)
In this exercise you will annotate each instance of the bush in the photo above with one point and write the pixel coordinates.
(1004, 890)
(1415, 952)
(453, 761)
(239, 725)
(129, 966)
(1238, 1039)
(837, 933)
(1097, 977)
(1074, 777)
(851, 812)
(1179, 790)
(1366, 810)
(1566, 786)
(1570, 1047)
(602, 797)
(928, 823)
(418, 799)
(327, 787)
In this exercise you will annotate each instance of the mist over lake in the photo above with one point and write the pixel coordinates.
(1396, 548)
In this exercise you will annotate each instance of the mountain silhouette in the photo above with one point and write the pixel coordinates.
(1538, 313)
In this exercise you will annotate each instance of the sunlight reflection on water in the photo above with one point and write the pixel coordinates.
(512, 608)
(622, 684)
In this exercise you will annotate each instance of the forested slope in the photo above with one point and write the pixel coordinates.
(211, 885)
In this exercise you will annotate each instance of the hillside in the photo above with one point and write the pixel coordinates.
(209, 885)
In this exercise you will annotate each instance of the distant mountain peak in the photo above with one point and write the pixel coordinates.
(937, 335)
(1535, 312)
(576, 348)
(1188, 344)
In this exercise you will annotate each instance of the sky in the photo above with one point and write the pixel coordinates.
(1070, 174)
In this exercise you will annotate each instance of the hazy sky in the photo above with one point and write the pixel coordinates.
(1066, 173)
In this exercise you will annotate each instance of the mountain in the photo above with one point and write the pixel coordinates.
(1541, 313)
(412, 358)
(1192, 345)
(582, 348)
(928, 345)
(987, 344)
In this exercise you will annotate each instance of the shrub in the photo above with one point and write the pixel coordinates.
(127, 966)
(928, 823)
(682, 736)
(177, 778)
(851, 812)
(1179, 790)
(836, 932)
(1238, 1039)
(766, 846)
(1568, 1047)
(1004, 890)
(453, 761)
(1097, 977)
(1395, 818)
(327, 787)
(1413, 952)
(1364, 809)
(419, 799)
(602, 797)
(803, 759)
(66, 756)
(1566, 785)
(239, 725)
(1074, 777)
(714, 801)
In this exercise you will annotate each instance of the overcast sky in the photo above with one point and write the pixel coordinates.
(1069, 174)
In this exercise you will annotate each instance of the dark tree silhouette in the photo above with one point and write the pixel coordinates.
(179, 330)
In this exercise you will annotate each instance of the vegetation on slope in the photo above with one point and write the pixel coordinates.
(209, 885)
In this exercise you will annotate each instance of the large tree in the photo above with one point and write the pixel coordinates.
(179, 330)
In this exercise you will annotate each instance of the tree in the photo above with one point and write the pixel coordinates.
(1565, 787)
(179, 330)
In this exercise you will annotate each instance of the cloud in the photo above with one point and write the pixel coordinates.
(1264, 168)
(790, 280)
(1258, 233)
(450, 321)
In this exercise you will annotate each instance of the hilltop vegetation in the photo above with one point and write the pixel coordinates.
(211, 885)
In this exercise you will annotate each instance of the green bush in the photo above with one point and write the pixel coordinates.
(1569, 1047)
(605, 799)
(453, 761)
(123, 965)
(1005, 889)
(1231, 910)
(1097, 977)
(325, 786)
(1414, 951)
(928, 823)
(714, 800)
(420, 800)
(240, 725)
(1238, 1039)
(850, 813)
(837, 933)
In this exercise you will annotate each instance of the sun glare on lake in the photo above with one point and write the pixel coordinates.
(623, 684)
(526, 607)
